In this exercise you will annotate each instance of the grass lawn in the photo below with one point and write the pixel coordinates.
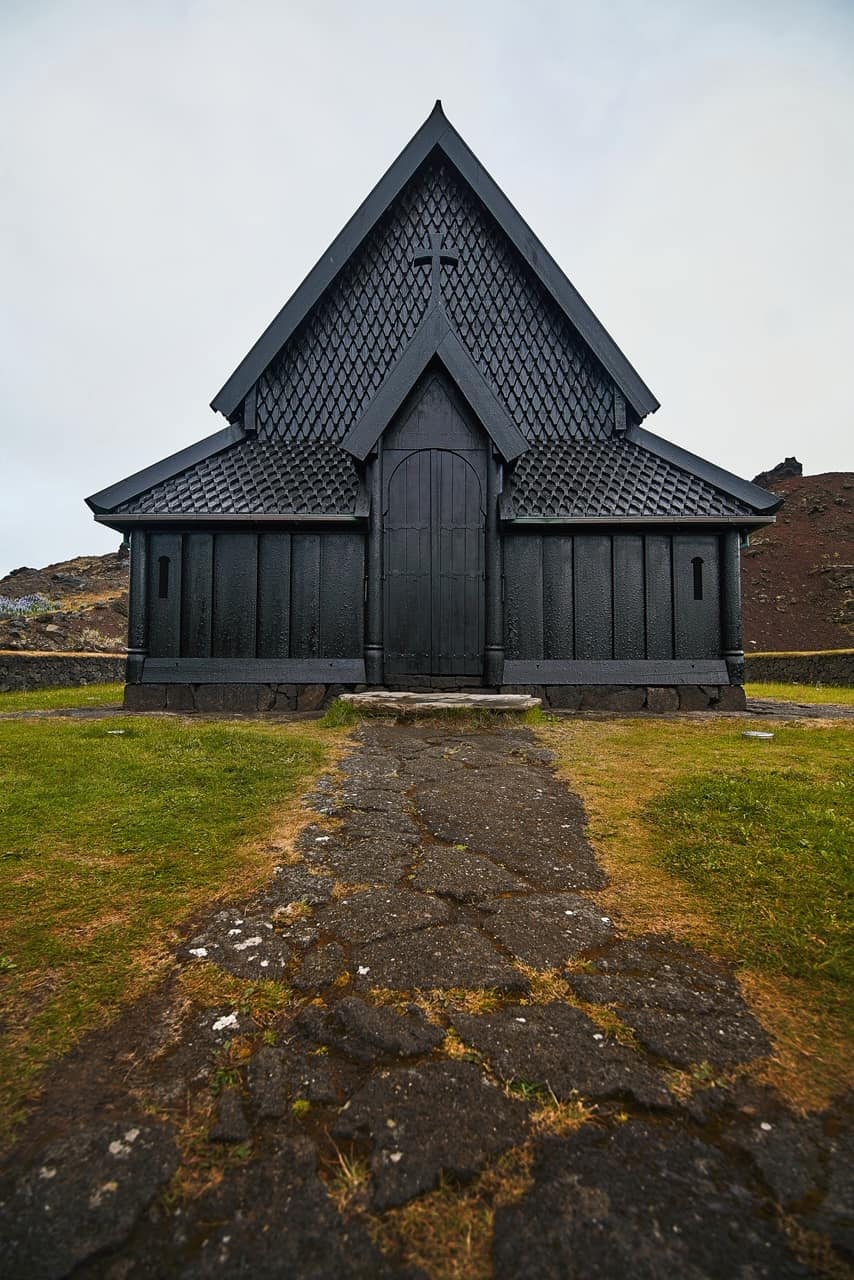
(840, 694)
(82, 695)
(742, 847)
(112, 833)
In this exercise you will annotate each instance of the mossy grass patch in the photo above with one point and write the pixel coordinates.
(114, 832)
(741, 848)
(81, 695)
(838, 695)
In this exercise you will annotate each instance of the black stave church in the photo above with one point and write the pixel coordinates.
(433, 474)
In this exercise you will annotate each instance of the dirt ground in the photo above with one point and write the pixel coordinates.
(798, 575)
(91, 595)
(423, 1049)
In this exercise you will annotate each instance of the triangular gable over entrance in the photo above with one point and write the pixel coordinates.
(436, 340)
(437, 135)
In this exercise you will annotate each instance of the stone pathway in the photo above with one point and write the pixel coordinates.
(455, 984)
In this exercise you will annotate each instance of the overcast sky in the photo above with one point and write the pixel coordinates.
(171, 169)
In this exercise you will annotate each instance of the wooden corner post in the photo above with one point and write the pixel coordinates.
(137, 606)
(493, 664)
(374, 655)
(731, 642)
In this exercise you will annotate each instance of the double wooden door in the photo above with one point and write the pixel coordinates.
(434, 566)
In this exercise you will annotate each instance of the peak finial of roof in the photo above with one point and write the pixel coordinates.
(437, 108)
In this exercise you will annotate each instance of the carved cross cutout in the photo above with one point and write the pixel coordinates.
(435, 256)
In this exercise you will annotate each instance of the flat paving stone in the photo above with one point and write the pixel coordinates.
(365, 1033)
(546, 930)
(292, 884)
(462, 875)
(247, 946)
(321, 967)
(454, 955)
(231, 1123)
(833, 1217)
(266, 1077)
(682, 1005)
(83, 1195)
(370, 862)
(560, 1047)
(786, 1149)
(421, 1122)
(381, 913)
(274, 1219)
(524, 817)
(648, 1201)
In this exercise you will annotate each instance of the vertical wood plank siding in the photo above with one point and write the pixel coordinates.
(698, 622)
(197, 602)
(235, 595)
(164, 611)
(523, 596)
(274, 595)
(245, 594)
(603, 596)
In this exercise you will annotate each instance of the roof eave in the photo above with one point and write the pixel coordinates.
(108, 499)
(133, 519)
(751, 522)
(762, 502)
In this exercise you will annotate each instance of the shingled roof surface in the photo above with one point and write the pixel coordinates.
(567, 480)
(615, 477)
(257, 476)
(529, 341)
(549, 383)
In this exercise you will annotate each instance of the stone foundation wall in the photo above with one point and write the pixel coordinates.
(234, 697)
(612, 697)
(312, 697)
(834, 666)
(22, 670)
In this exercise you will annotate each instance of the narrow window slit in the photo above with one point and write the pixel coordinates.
(163, 577)
(697, 566)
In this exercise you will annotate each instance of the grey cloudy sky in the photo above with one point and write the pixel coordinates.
(169, 171)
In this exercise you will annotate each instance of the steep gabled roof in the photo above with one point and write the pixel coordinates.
(437, 133)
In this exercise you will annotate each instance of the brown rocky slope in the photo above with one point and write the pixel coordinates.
(798, 575)
(91, 597)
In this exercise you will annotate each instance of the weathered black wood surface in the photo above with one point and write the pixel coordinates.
(642, 671)
(434, 463)
(250, 670)
(609, 596)
(252, 593)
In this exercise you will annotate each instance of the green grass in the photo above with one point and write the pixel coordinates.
(770, 853)
(83, 695)
(839, 694)
(111, 833)
(742, 848)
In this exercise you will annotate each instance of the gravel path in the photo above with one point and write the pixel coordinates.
(456, 985)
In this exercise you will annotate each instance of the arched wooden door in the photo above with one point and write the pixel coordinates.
(434, 567)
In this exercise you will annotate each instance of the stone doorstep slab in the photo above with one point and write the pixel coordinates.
(382, 700)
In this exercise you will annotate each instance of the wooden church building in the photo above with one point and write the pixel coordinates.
(433, 473)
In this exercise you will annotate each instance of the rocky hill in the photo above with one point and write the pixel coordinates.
(798, 574)
(797, 581)
(90, 595)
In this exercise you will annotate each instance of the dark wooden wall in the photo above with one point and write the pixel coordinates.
(264, 594)
(611, 595)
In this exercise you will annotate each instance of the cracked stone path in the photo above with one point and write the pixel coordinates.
(448, 970)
